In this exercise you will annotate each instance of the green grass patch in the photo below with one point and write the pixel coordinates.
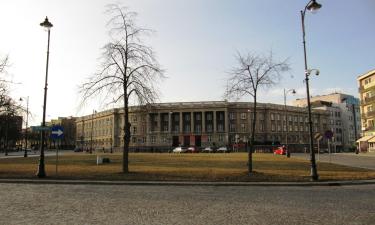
(180, 167)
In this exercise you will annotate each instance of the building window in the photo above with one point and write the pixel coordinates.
(273, 127)
(261, 126)
(198, 116)
(232, 127)
(272, 116)
(153, 139)
(220, 127)
(198, 128)
(134, 130)
(209, 128)
(232, 116)
(243, 116)
(209, 138)
(277, 116)
(243, 127)
(221, 137)
(221, 116)
(209, 116)
(187, 128)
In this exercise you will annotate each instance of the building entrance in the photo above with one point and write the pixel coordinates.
(198, 141)
(186, 140)
(175, 141)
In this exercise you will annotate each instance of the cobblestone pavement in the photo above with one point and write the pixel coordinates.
(362, 160)
(152, 204)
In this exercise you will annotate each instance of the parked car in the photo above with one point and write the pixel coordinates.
(179, 150)
(208, 150)
(192, 149)
(78, 149)
(222, 149)
(280, 151)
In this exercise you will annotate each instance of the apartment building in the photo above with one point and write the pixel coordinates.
(344, 117)
(162, 126)
(366, 83)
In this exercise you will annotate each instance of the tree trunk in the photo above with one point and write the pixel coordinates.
(252, 139)
(125, 157)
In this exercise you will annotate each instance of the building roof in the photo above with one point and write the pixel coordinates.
(363, 76)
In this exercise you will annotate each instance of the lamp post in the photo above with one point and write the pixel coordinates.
(286, 120)
(92, 128)
(41, 168)
(27, 124)
(312, 5)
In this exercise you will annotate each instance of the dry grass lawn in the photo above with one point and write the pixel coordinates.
(181, 167)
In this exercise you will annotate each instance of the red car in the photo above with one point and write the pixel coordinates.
(280, 151)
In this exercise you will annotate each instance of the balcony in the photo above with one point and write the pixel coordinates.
(368, 100)
(370, 114)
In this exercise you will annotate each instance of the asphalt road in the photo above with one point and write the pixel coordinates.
(128, 204)
(363, 160)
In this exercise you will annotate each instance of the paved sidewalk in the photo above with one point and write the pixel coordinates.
(362, 160)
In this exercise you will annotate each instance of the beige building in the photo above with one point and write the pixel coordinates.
(164, 125)
(366, 84)
(344, 118)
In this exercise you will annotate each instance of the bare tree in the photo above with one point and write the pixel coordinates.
(128, 69)
(252, 73)
(3, 64)
(4, 97)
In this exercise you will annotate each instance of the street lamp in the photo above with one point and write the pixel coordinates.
(312, 5)
(27, 124)
(41, 168)
(92, 128)
(286, 120)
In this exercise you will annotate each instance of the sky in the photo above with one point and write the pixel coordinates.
(195, 42)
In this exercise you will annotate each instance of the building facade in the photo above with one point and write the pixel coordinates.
(344, 119)
(165, 125)
(366, 83)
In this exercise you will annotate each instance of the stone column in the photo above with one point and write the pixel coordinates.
(181, 128)
(214, 121)
(191, 122)
(203, 122)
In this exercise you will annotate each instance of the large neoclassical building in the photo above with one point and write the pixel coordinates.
(215, 123)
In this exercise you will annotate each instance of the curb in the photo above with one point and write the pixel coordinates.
(183, 183)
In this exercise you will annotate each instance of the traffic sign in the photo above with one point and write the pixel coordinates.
(57, 132)
(318, 136)
(39, 128)
(328, 134)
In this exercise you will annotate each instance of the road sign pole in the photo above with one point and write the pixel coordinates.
(329, 150)
(318, 150)
(57, 159)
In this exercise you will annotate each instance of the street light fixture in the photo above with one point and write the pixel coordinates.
(41, 168)
(312, 6)
(27, 124)
(286, 120)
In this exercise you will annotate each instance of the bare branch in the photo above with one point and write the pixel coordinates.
(128, 69)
